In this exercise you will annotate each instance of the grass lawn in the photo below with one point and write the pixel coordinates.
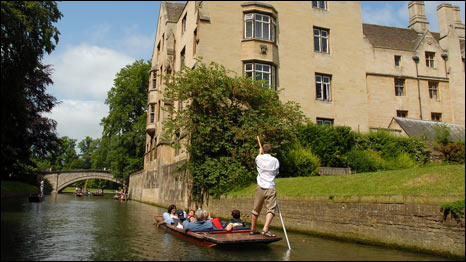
(14, 186)
(432, 180)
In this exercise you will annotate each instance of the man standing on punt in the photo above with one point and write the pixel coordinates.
(267, 168)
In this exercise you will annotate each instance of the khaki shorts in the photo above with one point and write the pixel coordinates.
(269, 196)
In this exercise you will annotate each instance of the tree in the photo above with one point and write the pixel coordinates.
(27, 33)
(124, 127)
(220, 123)
(87, 146)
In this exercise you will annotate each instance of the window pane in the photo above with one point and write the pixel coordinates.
(258, 29)
(318, 78)
(248, 66)
(324, 45)
(249, 28)
(258, 17)
(316, 43)
(314, 3)
(258, 76)
(266, 68)
(316, 32)
(318, 91)
(272, 33)
(265, 18)
(266, 31)
(249, 74)
(324, 33)
(247, 16)
(326, 79)
(322, 4)
(259, 67)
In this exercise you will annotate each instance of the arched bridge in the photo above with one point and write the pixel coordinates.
(61, 179)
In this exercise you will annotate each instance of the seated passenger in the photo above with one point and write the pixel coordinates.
(201, 223)
(235, 222)
(170, 216)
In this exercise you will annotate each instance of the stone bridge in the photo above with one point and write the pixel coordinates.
(61, 179)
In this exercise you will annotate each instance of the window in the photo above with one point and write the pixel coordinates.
(323, 87)
(397, 60)
(321, 40)
(195, 41)
(324, 121)
(259, 26)
(436, 116)
(433, 90)
(402, 113)
(182, 57)
(152, 109)
(158, 111)
(430, 59)
(261, 72)
(399, 87)
(319, 4)
(183, 24)
(154, 79)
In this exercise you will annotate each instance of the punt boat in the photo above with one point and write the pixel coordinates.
(219, 237)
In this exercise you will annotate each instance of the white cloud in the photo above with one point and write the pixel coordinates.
(78, 119)
(85, 72)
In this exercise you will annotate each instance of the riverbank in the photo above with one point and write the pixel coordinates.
(17, 189)
(399, 208)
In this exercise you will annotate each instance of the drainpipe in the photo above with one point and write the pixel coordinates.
(445, 58)
(416, 60)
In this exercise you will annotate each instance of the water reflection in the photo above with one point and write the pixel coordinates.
(65, 227)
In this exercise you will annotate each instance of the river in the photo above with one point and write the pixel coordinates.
(65, 227)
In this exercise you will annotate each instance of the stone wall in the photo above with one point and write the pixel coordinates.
(399, 222)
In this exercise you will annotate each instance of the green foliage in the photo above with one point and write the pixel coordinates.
(329, 143)
(361, 161)
(123, 137)
(299, 161)
(87, 146)
(442, 135)
(221, 119)
(456, 208)
(390, 146)
(402, 161)
(27, 34)
(453, 152)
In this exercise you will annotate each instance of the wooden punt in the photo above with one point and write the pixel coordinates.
(220, 237)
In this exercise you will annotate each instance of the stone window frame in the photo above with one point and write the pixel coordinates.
(323, 87)
(320, 5)
(400, 86)
(152, 113)
(434, 90)
(397, 60)
(318, 39)
(324, 121)
(402, 113)
(251, 17)
(436, 116)
(252, 71)
(183, 23)
(430, 59)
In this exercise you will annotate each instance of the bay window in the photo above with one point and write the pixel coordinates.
(258, 71)
(259, 26)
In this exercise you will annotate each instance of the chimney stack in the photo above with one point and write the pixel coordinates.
(417, 17)
(449, 18)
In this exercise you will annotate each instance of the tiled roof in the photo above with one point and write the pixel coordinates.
(428, 129)
(391, 37)
(174, 11)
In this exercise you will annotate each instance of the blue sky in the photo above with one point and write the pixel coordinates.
(98, 38)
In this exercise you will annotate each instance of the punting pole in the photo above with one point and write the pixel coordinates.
(283, 225)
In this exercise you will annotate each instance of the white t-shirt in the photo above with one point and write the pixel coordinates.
(267, 168)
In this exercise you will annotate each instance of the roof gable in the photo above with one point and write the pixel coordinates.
(174, 11)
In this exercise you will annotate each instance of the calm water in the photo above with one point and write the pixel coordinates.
(65, 227)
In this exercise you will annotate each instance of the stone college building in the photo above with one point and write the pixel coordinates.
(341, 71)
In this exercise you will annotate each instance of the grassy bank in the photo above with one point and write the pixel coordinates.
(93, 190)
(428, 181)
(14, 186)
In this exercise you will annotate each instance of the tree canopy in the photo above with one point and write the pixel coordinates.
(27, 33)
(123, 135)
(220, 121)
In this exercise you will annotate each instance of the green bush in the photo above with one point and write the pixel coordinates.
(330, 144)
(453, 152)
(362, 161)
(456, 208)
(299, 161)
(402, 161)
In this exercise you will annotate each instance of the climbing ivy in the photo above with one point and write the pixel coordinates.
(221, 117)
